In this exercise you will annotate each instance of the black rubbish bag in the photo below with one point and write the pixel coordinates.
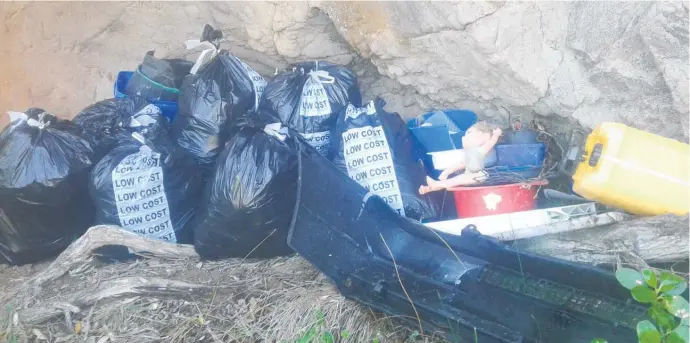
(309, 97)
(374, 148)
(44, 200)
(104, 122)
(147, 188)
(222, 90)
(157, 79)
(150, 122)
(101, 121)
(250, 199)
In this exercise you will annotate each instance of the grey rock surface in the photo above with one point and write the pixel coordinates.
(576, 62)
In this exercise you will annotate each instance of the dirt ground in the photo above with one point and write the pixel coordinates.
(13, 276)
(184, 300)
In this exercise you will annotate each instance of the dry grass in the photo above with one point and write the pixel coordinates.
(276, 300)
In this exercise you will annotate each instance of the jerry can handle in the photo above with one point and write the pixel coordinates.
(595, 155)
(574, 154)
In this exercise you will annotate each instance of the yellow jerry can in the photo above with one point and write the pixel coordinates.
(635, 171)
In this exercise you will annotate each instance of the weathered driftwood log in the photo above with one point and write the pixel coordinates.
(102, 235)
(642, 240)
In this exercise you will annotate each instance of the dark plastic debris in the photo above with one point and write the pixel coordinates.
(480, 291)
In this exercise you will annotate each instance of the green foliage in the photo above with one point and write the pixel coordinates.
(316, 333)
(668, 310)
(681, 333)
(650, 278)
(643, 294)
(308, 336)
(629, 278)
(676, 305)
(413, 336)
(647, 332)
(663, 319)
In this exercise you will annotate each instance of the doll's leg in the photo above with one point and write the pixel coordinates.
(460, 180)
(459, 165)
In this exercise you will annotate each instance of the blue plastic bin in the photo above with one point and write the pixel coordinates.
(520, 155)
(445, 133)
(168, 108)
(431, 139)
(455, 122)
(457, 139)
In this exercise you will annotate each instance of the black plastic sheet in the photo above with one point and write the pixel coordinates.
(465, 288)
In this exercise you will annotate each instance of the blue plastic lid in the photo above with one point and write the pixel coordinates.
(454, 120)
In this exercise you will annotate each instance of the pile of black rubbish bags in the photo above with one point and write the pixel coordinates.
(222, 175)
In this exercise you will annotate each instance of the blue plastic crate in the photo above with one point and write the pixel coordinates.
(454, 120)
(168, 108)
(443, 131)
(457, 138)
(431, 139)
(520, 155)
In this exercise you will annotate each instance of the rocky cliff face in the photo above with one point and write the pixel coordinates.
(580, 62)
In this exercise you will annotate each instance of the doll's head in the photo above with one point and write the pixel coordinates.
(478, 134)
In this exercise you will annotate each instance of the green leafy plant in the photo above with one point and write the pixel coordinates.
(318, 334)
(413, 336)
(668, 310)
